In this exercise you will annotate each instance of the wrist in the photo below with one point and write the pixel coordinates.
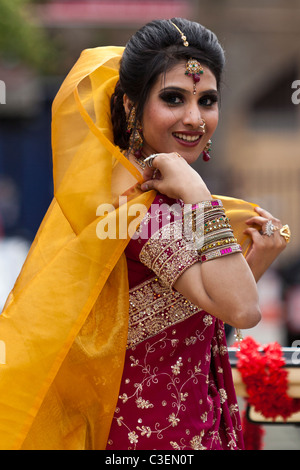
(190, 196)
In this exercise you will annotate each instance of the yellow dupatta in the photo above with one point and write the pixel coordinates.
(63, 330)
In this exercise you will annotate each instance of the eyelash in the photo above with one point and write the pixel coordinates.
(170, 98)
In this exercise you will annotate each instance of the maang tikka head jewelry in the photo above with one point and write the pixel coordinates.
(194, 69)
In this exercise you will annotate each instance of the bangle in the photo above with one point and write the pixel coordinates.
(198, 216)
(218, 243)
(219, 235)
(206, 225)
(229, 250)
(211, 204)
(216, 224)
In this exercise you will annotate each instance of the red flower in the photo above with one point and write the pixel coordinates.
(262, 371)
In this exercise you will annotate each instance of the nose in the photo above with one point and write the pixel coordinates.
(192, 116)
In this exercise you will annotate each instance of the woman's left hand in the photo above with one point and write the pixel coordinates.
(265, 248)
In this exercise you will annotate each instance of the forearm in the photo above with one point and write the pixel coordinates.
(224, 284)
(224, 287)
(230, 285)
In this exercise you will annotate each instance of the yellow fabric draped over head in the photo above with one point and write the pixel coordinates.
(63, 330)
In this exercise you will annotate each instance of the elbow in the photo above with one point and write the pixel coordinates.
(247, 317)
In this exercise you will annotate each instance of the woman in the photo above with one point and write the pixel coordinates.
(157, 376)
(175, 393)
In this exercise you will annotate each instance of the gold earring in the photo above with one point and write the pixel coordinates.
(134, 128)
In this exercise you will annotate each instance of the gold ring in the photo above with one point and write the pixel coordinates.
(285, 233)
(178, 154)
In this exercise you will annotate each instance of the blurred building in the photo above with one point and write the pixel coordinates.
(255, 152)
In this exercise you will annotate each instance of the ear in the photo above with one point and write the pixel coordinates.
(127, 103)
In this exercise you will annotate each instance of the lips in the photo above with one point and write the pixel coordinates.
(187, 138)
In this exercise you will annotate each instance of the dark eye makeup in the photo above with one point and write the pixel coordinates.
(174, 98)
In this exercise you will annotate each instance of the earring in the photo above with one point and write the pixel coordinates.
(206, 150)
(134, 128)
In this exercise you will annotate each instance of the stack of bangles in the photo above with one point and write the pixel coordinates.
(211, 229)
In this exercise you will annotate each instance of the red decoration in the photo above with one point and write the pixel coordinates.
(263, 373)
(266, 381)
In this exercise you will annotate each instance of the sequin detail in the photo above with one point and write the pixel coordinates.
(153, 307)
(168, 254)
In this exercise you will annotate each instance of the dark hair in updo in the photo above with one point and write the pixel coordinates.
(153, 50)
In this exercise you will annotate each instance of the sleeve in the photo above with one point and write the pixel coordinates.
(166, 251)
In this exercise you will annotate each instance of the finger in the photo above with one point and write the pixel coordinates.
(155, 165)
(150, 184)
(254, 234)
(269, 216)
(262, 212)
(148, 173)
(257, 220)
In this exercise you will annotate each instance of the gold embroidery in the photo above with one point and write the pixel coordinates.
(223, 395)
(153, 307)
(175, 387)
(176, 367)
(195, 443)
(141, 403)
(168, 254)
(172, 409)
(133, 437)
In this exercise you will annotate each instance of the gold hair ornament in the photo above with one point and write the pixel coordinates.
(183, 37)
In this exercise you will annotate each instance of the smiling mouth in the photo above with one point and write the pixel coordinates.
(187, 138)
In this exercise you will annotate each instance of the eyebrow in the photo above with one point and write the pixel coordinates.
(183, 90)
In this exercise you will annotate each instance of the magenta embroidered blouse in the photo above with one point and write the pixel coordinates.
(177, 390)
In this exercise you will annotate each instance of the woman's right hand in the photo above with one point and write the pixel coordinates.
(171, 175)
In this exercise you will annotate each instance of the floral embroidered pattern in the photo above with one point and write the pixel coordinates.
(177, 392)
(170, 398)
(153, 307)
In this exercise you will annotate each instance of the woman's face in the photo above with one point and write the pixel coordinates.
(173, 113)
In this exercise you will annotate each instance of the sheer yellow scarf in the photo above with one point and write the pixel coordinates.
(63, 330)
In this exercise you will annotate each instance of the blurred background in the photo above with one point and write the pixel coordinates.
(255, 151)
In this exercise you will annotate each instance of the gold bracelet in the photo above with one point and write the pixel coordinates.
(216, 244)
